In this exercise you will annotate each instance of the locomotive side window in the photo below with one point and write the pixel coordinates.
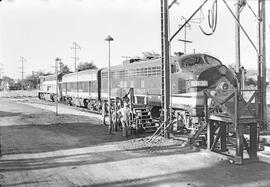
(138, 72)
(191, 61)
(212, 60)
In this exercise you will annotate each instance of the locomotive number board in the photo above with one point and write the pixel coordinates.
(198, 83)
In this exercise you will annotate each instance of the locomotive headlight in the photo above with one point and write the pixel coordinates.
(222, 70)
(224, 86)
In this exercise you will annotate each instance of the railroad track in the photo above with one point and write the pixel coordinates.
(79, 108)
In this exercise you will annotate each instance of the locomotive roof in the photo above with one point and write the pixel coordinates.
(152, 62)
(142, 63)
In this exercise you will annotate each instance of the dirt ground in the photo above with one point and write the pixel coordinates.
(74, 149)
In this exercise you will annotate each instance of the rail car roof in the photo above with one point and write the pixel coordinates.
(86, 75)
(143, 63)
(47, 77)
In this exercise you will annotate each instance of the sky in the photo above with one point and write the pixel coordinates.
(42, 30)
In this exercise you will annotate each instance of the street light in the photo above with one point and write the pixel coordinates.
(109, 39)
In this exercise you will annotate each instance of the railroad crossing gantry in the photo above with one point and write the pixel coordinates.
(259, 97)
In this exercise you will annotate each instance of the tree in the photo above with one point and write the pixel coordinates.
(7, 80)
(86, 65)
(32, 81)
(64, 69)
(150, 55)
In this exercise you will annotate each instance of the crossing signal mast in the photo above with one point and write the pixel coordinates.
(260, 50)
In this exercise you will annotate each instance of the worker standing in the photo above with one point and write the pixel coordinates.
(105, 112)
(124, 115)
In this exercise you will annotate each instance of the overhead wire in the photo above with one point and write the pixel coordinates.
(212, 19)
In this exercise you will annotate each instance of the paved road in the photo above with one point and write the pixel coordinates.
(41, 149)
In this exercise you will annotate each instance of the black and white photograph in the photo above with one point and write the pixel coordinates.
(112, 93)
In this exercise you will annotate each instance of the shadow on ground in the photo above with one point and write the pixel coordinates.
(36, 138)
(8, 114)
(221, 174)
(88, 158)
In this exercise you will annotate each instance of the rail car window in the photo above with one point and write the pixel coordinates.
(138, 72)
(71, 86)
(212, 60)
(83, 86)
(191, 61)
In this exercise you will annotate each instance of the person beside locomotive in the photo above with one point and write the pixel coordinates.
(124, 116)
(105, 112)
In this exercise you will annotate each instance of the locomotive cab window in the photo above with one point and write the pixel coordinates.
(211, 60)
(192, 61)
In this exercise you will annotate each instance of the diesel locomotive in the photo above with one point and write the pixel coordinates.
(190, 76)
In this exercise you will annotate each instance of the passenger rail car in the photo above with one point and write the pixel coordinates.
(80, 88)
(190, 76)
(47, 88)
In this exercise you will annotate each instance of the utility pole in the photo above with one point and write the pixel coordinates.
(22, 60)
(262, 63)
(237, 42)
(165, 62)
(76, 46)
